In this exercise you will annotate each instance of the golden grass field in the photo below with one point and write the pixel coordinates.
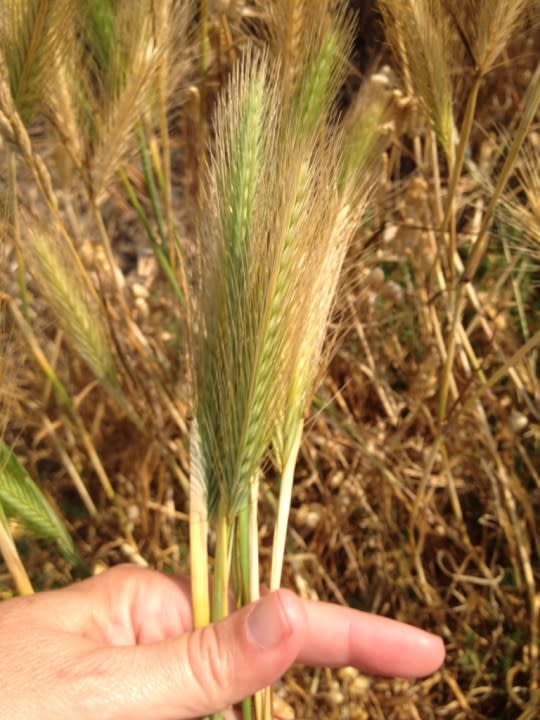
(417, 488)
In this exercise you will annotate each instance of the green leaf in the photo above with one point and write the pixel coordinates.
(22, 499)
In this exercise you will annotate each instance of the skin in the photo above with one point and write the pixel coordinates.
(121, 646)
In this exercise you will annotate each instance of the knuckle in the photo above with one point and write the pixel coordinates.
(212, 666)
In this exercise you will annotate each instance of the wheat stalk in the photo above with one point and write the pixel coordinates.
(34, 43)
(487, 26)
(254, 294)
(419, 33)
(68, 294)
(280, 205)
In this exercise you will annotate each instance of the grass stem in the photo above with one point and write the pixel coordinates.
(14, 217)
(12, 559)
(220, 589)
(285, 494)
(198, 534)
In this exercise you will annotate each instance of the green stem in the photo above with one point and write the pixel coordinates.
(248, 546)
(247, 709)
(146, 164)
(156, 247)
(163, 78)
(243, 551)
(253, 543)
(220, 590)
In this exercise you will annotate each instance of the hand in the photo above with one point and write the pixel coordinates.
(121, 645)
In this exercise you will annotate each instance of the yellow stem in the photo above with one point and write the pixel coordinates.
(13, 561)
(285, 494)
(198, 550)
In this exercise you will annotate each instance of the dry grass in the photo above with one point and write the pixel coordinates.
(398, 508)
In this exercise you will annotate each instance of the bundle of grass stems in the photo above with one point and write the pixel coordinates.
(284, 191)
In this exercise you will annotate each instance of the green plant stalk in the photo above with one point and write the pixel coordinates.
(156, 247)
(220, 588)
(247, 709)
(163, 73)
(247, 552)
(151, 186)
(254, 579)
(284, 506)
(169, 249)
(243, 553)
(253, 532)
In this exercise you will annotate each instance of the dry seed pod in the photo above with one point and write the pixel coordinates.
(376, 278)
(417, 191)
(308, 516)
(389, 233)
(336, 480)
(393, 292)
(359, 685)
(282, 709)
(348, 674)
(336, 694)
(518, 422)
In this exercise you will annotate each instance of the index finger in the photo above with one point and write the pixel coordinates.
(339, 636)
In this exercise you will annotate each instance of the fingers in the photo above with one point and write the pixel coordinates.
(127, 605)
(208, 670)
(339, 636)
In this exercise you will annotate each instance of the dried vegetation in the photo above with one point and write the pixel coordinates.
(417, 491)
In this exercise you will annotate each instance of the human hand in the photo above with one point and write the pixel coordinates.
(121, 645)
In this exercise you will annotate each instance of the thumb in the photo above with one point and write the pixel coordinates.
(205, 671)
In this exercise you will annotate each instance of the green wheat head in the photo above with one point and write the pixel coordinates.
(34, 44)
(236, 389)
